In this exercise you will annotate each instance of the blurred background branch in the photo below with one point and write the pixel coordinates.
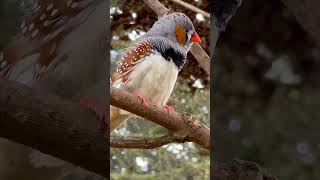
(54, 126)
(307, 14)
(192, 8)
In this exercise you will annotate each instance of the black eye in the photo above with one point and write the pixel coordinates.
(187, 36)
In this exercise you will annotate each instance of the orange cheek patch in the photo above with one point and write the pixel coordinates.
(181, 35)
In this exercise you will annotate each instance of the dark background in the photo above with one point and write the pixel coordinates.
(266, 92)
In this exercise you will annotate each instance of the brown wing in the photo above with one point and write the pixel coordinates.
(40, 32)
(129, 59)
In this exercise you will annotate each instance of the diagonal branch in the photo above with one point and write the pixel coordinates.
(192, 8)
(199, 54)
(184, 124)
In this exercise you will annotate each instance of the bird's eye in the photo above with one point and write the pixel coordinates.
(187, 36)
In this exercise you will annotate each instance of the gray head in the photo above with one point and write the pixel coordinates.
(178, 28)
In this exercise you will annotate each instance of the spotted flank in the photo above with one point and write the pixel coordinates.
(3, 66)
(49, 15)
(129, 59)
(40, 33)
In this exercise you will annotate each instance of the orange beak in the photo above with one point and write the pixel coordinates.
(195, 38)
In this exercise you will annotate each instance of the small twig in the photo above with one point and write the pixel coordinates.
(151, 143)
(192, 8)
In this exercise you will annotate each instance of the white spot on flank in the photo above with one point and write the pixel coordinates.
(54, 12)
(69, 2)
(42, 17)
(23, 24)
(54, 34)
(31, 27)
(24, 30)
(37, 9)
(46, 23)
(43, 68)
(49, 7)
(74, 5)
(35, 6)
(3, 64)
(35, 32)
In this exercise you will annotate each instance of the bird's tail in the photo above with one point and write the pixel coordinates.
(117, 117)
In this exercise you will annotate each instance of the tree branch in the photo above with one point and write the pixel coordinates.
(192, 8)
(150, 143)
(157, 7)
(183, 124)
(54, 126)
(199, 54)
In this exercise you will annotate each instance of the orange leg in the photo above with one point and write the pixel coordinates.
(169, 108)
(142, 98)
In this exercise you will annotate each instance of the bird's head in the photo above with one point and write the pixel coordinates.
(178, 28)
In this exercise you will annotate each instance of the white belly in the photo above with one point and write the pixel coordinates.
(155, 78)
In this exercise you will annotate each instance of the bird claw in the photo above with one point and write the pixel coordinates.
(98, 109)
(169, 108)
(142, 98)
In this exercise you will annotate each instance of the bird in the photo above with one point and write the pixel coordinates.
(149, 67)
(60, 48)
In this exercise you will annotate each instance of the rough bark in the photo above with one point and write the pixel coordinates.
(53, 126)
(183, 124)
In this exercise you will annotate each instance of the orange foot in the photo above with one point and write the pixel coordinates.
(142, 98)
(169, 108)
(98, 109)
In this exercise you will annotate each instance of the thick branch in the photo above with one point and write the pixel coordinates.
(54, 126)
(199, 54)
(180, 123)
(145, 143)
